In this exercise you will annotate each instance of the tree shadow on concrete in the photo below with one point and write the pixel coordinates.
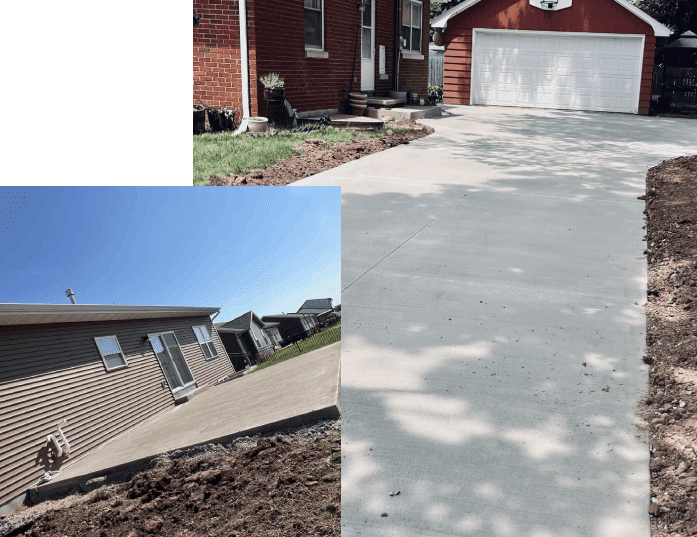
(491, 377)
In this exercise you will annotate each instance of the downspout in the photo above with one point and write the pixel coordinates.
(398, 42)
(244, 68)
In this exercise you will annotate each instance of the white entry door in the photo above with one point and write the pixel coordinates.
(368, 48)
(571, 71)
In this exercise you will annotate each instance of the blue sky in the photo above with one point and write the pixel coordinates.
(267, 249)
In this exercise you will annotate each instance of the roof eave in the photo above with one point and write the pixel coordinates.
(659, 30)
(17, 314)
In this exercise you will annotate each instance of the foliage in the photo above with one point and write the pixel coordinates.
(678, 15)
(272, 80)
(434, 89)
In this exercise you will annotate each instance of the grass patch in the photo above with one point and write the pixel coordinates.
(224, 154)
(324, 338)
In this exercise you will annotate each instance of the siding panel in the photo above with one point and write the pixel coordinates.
(54, 371)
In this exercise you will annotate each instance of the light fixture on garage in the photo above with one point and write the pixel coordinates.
(362, 4)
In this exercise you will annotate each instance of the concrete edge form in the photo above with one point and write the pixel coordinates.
(123, 472)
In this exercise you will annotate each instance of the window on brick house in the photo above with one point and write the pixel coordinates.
(411, 25)
(314, 24)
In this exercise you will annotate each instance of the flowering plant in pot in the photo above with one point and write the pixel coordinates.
(273, 86)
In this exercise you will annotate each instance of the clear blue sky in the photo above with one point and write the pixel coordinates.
(265, 249)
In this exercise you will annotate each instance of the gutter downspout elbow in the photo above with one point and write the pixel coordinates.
(244, 68)
(50, 439)
(65, 440)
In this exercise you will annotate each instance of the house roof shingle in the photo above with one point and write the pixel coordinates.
(16, 314)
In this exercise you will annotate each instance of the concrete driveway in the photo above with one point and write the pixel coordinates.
(492, 282)
(301, 389)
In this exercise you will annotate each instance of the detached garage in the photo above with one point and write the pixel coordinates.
(564, 54)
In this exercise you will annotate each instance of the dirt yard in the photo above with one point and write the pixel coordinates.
(321, 156)
(283, 485)
(671, 338)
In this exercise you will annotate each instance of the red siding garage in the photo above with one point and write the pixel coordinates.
(592, 55)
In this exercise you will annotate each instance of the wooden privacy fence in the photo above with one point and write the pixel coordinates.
(435, 70)
(680, 83)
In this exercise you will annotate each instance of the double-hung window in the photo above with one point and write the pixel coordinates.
(411, 26)
(111, 352)
(314, 24)
(204, 339)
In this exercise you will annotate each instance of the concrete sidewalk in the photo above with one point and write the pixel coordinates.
(295, 391)
(492, 282)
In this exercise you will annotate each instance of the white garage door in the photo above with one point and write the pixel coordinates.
(557, 70)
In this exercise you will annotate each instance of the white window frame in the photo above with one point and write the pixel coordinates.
(125, 365)
(314, 48)
(410, 51)
(211, 347)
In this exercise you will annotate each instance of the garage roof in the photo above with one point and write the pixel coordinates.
(15, 314)
(441, 21)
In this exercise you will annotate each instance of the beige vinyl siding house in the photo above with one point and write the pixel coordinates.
(97, 368)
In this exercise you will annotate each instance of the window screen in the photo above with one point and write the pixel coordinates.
(313, 24)
(111, 352)
(204, 339)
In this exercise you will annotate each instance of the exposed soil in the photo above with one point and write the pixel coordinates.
(320, 156)
(671, 338)
(284, 485)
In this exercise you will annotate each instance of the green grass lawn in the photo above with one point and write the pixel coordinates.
(223, 154)
(324, 338)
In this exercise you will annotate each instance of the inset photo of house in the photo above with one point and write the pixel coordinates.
(133, 323)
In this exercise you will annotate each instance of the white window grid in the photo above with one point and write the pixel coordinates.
(205, 341)
(105, 355)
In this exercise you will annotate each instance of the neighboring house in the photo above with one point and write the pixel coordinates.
(104, 369)
(564, 54)
(322, 48)
(247, 338)
(323, 308)
(293, 326)
(682, 52)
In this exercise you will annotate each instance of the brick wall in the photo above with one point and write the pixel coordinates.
(276, 36)
(217, 75)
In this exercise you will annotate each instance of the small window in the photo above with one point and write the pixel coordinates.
(204, 339)
(314, 24)
(411, 25)
(111, 352)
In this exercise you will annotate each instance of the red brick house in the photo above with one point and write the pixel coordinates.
(322, 48)
(564, 54)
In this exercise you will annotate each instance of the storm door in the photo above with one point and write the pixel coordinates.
(368, 47)
(173, 363)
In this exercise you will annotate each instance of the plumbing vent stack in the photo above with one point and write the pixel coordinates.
(70, 294)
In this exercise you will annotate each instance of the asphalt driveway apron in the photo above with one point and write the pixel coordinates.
(492, 281)
(300, 389)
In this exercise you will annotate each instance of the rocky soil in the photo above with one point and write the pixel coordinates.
(671, 338)
(283, 485)
(319, 155)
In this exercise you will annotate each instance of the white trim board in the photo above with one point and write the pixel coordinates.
(659, 30)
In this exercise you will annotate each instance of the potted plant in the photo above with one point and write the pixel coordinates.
(257, 124)
(199, 119)
(273, 86)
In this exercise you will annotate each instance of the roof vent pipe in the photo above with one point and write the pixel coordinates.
(70, 294)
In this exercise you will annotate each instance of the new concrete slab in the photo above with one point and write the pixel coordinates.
(492, 281)
(300, 389)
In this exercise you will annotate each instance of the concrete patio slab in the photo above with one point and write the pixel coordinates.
(492, 281)
(299, 390)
